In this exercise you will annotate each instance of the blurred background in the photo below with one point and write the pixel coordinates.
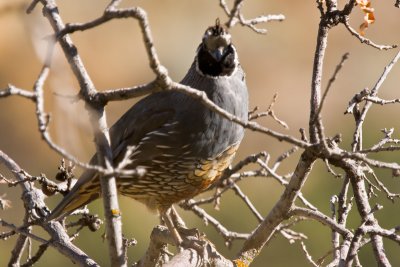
(278, 62)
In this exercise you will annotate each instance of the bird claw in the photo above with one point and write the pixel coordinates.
(198, 245)
(36, 206)
(185, 238)
(193, 239)
(192, 232)
(201, 249)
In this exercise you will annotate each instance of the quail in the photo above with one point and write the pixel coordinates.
(183, 146)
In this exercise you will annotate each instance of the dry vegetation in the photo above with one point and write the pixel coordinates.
(357, 166)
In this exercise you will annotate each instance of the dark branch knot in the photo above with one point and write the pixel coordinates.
(332, 18)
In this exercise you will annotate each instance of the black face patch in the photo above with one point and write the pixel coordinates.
(208, 65)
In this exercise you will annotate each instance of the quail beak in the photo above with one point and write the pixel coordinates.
(218, 53)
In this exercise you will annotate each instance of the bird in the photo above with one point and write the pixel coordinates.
(183, 146)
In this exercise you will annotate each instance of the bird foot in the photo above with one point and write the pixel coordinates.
(184, 238)
(192, 232)
(200, 246)
(192, 239)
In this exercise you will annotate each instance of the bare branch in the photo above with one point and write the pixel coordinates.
(23, 231)
(291, 235)
(356, 163)
(322, 218)
(262, 234)
(35, 205)
(269, 112)
(357, 98)
(332, 80)
(192, 258)
(320, 5)
(6, 235)
(390, 196)
(247, 201)
(225, 233)
(377, 100)
(49, 185)
(12, 90)
(367, 216)
(282, 157)
(360, 120)
(235, 15)
(244, 162)
(20, 245)
(330, 170)
(100, 129)
(32, 6)
(156, 253)
(251, 23)
(112, 12)
(126, 93)
(308, 256)
(315, 123)
(32, 260)
(363, 39)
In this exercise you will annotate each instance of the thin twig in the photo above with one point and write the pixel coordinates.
(374, 91)
(12, 90)
(332, 80)
(269, 112)
(39, 253)
(365, 40)
(391, 196)
(22, 231)
(283, 157)
(34, 202)
(330, 170)
(225, 233)
(308, 256)
(247, 201)
(263, 233)
(235, 15)
(322, 218)
(377, 100)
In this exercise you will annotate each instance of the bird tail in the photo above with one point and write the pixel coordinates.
(84, 191)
